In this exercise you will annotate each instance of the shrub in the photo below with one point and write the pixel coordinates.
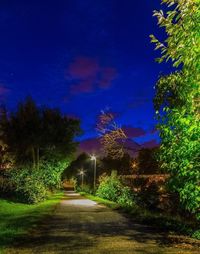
(196, 234)
(29, 186)
(126, 197)
(51, 171)
(109, 188)
(85, 188)
(113, 189)
(6, 186)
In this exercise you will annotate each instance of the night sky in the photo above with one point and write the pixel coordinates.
(83, 56)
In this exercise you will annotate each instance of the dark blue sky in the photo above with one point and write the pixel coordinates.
(82, 56)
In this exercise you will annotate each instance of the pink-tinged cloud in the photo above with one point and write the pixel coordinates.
(90, 146)
(85, 86)
(83, 68)
(107, 76)
(132, 132)
(150, 144)
(3, 90)
(87, 75)
(154, 130)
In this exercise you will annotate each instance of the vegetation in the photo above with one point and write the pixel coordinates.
(112, 136)
(16, 218)
(153, 218)
(177, 100)
(112, 188)
(40, 143)
(146, 162)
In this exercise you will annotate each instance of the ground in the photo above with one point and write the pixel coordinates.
(81, 226)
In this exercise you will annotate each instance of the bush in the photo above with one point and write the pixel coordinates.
(196, 234)
(29, 186)
(112, 188)
(51, 171)
(85, 188)
(6, 186)
(109, 188)
(126, 197)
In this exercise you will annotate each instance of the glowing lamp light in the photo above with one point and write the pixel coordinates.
(93, 158)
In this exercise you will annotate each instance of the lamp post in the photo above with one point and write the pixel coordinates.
(82, 173)
(93, 158)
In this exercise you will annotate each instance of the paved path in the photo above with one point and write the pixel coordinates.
(81, 226)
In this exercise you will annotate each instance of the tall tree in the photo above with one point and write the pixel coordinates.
(32, 133)
(177, 99)
(112, 137)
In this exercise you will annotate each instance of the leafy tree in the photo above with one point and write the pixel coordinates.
(147, 162)
(34, 134)
(41, 142)
(177, 99)
(122, 165)
(81, 162)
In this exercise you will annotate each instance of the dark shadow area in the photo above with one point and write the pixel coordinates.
(77, 228)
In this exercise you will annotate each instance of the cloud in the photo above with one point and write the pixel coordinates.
(107, 76)
(90, 146)
(132, 132)
(86, 75)
(150, 144)
(94, 146)
(3, 91)
(83, 68)
(84, 86)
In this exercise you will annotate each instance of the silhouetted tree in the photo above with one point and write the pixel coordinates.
(147, 162)
(31, 133)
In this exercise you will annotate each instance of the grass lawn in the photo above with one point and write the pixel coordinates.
(17, 218)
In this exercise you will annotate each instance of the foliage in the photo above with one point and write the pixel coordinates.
(86, 188)
(111, 188)
(196, 234)
(29, 185)
(82, 161)
(51, 170)
(31, 133)
(147, 161)
(177, 99)
(126, 197)
(40, 142)
(6, 186)
(122, 165)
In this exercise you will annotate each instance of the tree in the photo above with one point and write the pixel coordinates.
(122, 165)
(33, 133)
(177, 99)
(146, 161)
(112, 136)
(41, 143)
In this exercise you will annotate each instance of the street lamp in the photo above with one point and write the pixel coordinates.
(82, 173)
(93, 158)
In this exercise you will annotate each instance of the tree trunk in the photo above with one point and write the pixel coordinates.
(33, 157)
(38, 158)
